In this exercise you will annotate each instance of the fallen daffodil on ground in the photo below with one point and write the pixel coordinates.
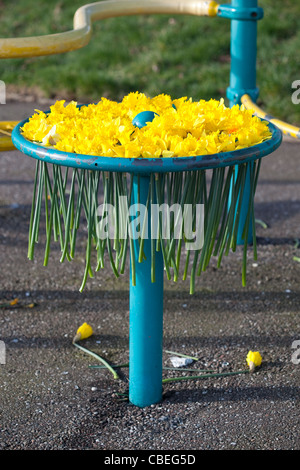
(254, 360)
(16, 303)
(83, 332)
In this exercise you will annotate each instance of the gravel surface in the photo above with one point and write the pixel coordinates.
(51, 399)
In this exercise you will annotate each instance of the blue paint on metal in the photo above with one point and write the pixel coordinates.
(141, 119)
(145, 317)
(240, 12)
(243, 50)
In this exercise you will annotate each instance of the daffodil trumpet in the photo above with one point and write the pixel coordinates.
(83, 332)
(254, 360)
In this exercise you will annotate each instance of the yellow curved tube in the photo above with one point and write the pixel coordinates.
(286, 128)
(84, 17)
(6, 144)
(5, 131)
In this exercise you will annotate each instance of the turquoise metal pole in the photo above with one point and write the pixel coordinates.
(145, 316)
(243, 50)
(243, 77)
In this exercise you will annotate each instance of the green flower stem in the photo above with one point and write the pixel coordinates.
(238, 183)
(187, 187)
(61, 192)
(37, 211)
(108, 244)
(123, 192)
(145, 224)
(69, 217)
(183, 369)
(50, 196)
(178, 255)
(116, 245)
(186, 265)
(257, 166)
(49, 229)
(204, 376)
(254, 244)
(246, 229)
(152, 242)
(212, 211)
(99, 358)
(132, 253)
(216, 214)
(62, 198)
(46, 197)
(158, 195)
(225, 199)
(182, 355)
(115, 366)
(79, 194)
(80, 178)
(88, 248)
(37, 168)
(261, 223)
(239, 192)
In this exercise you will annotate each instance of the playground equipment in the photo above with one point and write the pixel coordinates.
(243, 15)
(146, 319)
(179, 180)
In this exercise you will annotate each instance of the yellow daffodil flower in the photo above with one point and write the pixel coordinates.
(253, 359)
(83, 332)
(52, 137)
(180, 128)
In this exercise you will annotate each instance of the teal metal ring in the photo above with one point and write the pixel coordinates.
(240, 13)
(145, 165)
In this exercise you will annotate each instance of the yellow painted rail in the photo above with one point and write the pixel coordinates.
(288, 129)
(81, 33)
(5, 131)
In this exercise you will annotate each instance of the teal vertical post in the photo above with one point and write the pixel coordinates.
(243, 50)
(145, 316)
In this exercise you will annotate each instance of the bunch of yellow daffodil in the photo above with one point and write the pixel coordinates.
(180, 127)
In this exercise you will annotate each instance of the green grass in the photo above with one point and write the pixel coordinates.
(179, 55)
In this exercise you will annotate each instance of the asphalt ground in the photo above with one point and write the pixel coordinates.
(51, 397)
